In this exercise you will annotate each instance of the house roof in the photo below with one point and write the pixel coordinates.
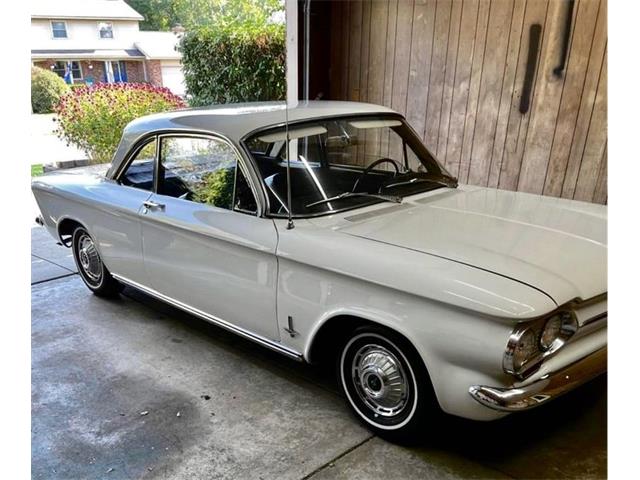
(235, 121)
(158, 45)
(87, 9)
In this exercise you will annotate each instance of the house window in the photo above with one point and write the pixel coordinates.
(105, 29)
(61, 69)
(59, 29)
(115, 72)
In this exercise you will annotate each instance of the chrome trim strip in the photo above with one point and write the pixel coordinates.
(245, 163)
(240, 160)
(265, 342)
(552, 385)
(597, 318)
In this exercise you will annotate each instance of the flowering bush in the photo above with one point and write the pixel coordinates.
(93, 118)
(46, 90)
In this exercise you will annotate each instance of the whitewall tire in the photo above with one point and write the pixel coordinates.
(93, 272)
(385, 383)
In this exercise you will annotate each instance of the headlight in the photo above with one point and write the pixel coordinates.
(530, 343)
(525, 349)
(557, 330)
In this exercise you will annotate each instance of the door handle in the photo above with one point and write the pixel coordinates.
(153, 205)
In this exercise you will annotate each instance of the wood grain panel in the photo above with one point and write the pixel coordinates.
(455, 69)
(578, 61)
(390, 53)
(441, 30)
(449, 78)
(345, 13)
(474, 89)
(586, 103)
(518, 123)
(500, 16)
(508, 90)
(600, 195)
(596, 142)
(461, 80)
(401, 63)
(355, 42)
(546, 100)
(420, 62)
(377, 51)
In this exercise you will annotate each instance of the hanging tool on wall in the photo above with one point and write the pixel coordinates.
(532, 60)
(558, 71)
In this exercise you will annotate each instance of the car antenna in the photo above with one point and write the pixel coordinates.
(286, 127)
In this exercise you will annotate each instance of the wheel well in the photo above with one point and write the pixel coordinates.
(328, 338)
(66, 228)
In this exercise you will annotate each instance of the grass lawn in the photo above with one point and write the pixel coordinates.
(36, 170)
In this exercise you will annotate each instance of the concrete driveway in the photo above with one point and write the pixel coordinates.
(131, 388)
(44, 145)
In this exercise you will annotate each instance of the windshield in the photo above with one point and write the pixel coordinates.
(345, 163)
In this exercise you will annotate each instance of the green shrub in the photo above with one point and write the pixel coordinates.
(93, 118)
(234, 63)
(217, 188)
(46, 90)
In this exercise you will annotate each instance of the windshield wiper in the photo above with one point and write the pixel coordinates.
(444, 183)
(388, 198)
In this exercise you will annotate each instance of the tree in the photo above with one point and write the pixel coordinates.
(158, 14)
(163, 14)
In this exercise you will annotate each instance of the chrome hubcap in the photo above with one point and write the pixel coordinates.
(89, 258)
(380, 380)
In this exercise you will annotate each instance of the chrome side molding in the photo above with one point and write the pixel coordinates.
(265, 342)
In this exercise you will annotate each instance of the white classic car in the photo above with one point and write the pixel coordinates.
(337, 236)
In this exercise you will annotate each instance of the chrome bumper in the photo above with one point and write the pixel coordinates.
(552, 385)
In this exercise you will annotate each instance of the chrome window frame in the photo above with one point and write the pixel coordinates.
(241, 160)
(132, 158)
(278, 126)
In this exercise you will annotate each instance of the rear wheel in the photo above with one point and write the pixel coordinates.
(92, 271)
(385, 383)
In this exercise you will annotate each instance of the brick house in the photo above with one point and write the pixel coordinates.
(92, 41)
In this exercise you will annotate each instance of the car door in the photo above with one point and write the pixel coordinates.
(116, 224)
(204, 245)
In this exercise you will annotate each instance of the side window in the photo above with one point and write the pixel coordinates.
(203, 170)
(139, 174)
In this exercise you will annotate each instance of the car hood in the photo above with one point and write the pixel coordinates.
(557, 246)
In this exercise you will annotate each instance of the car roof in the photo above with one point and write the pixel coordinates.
(235, 121)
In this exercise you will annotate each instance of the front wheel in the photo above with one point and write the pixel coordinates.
(93, 272)
(386, 384)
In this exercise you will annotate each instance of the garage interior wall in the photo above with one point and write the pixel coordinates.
(457, 68)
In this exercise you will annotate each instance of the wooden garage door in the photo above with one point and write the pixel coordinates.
(457, 70)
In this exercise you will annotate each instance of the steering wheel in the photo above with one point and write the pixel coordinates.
(397, 165)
